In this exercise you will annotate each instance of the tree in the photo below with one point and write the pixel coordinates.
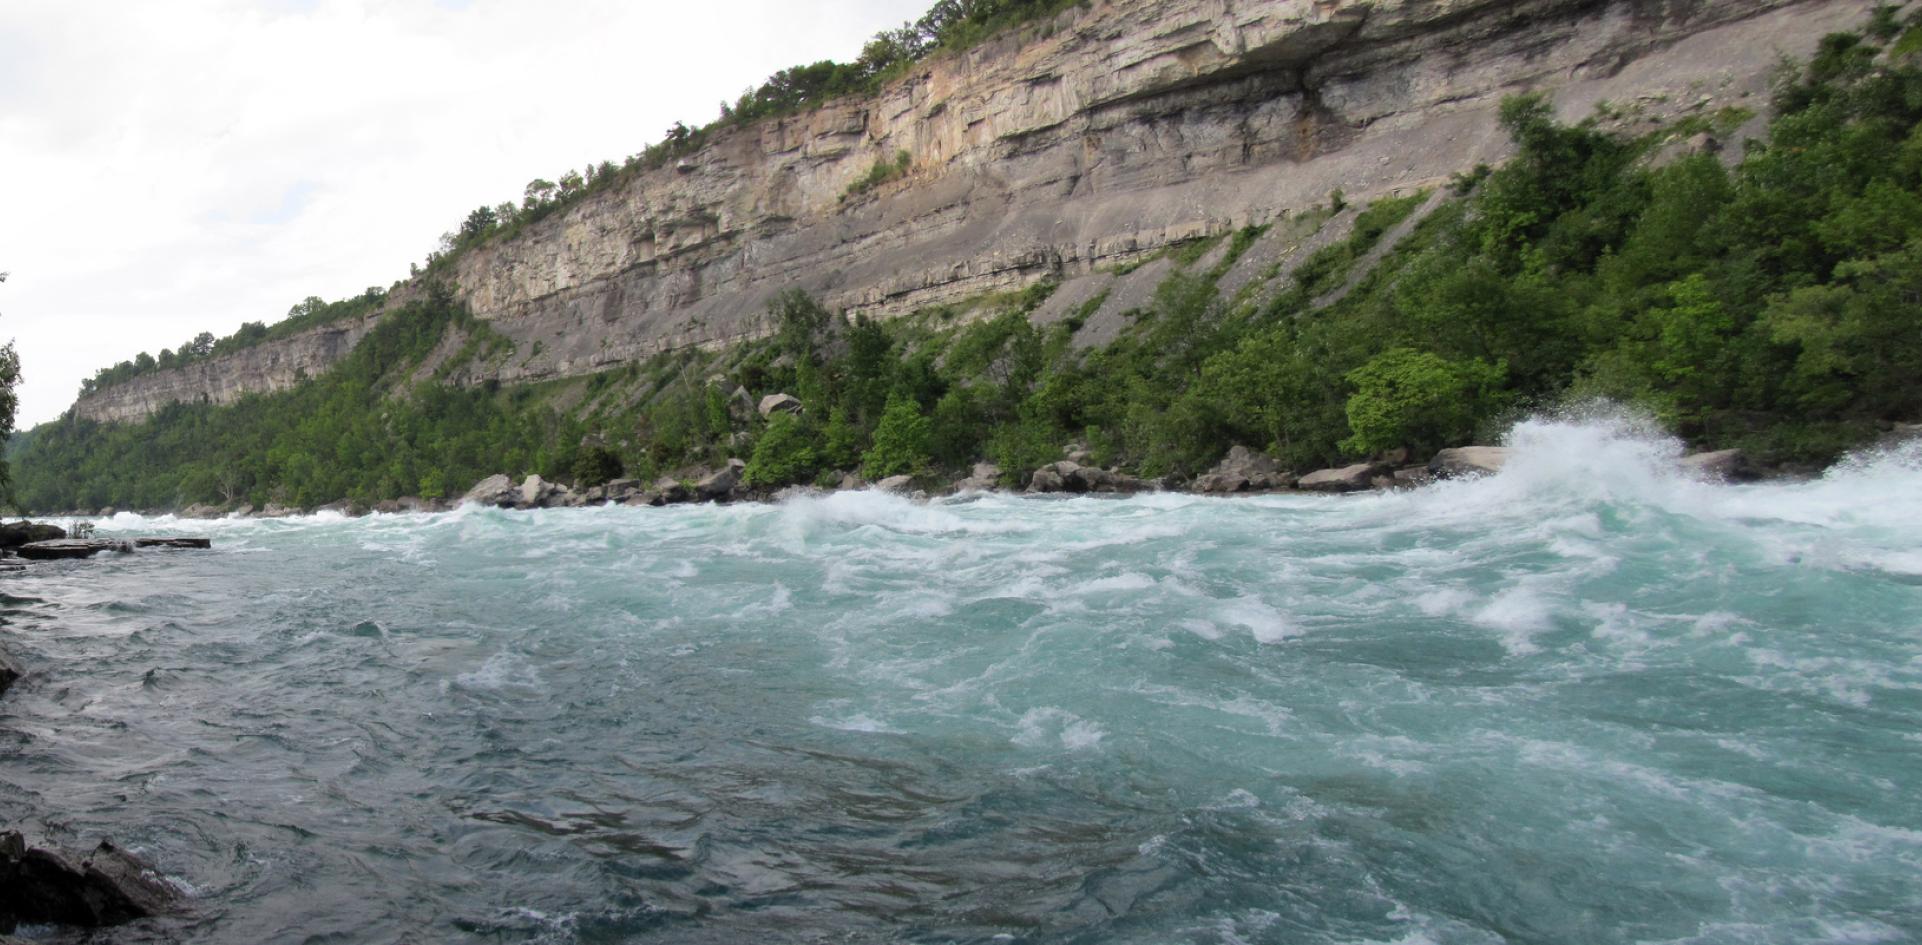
(901, 440)
(1416, 399)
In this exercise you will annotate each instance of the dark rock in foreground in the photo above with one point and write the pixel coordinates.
(70, 548)
(10, 673)
(110, 887)
(15, 534)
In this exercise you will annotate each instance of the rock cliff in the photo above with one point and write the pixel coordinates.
(1115, 130)
(266, 367)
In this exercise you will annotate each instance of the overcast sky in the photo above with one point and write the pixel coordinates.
(171, 168)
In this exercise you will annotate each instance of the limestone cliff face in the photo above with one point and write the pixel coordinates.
(1132, 124)
(272, 366)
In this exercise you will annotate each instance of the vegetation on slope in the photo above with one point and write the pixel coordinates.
(1772, 305)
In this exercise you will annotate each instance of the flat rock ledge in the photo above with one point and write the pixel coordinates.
(109, 887)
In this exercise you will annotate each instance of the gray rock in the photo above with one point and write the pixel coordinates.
(899, 485)
(851, 481)
(671, 491)
(173, 542)
(70, 548)
(496, 490)
(1720, 466)
(109, 887)
(1345, 479)
(1463, 461)
(779, 403)
(1046, 480)
(740, 404)
(983, 478)
(1411, 477)
(534, 491)
(1243, 470)
(721, 485)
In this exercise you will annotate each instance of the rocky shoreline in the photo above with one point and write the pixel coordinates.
(39, 886)
(1242, 472)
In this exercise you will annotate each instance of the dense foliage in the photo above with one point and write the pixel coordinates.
(1769, 302)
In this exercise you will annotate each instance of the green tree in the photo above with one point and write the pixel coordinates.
(1416, 399)
(901, 441)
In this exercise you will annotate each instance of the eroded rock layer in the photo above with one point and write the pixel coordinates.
(1129, 125)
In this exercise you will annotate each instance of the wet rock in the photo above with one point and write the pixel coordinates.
(171, 542)
(244, 510)
(1412, 477)
(619, 491)
(720, 486)
(1720, 466)
(1045, 480)
(1345, 479)
(1243, 470)
(779, 403)
(200, 510)
(276, 510)
(66, 548)
(10, 673)
(15, 534)
(109, 887)
(851, 481)
(1070, 476)
(1464, 461)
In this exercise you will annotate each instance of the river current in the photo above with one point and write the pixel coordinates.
(1583, 701)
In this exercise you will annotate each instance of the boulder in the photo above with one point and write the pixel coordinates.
(109, 887)
(1070, 476)
(740, 404)
(15, 534)
(1464, 461)
(200, 510)
(851, 481)
(671, 491)
(1046, 480)
(719, 486)
(899, 485)
(10, 673)
(1346, 479)
(1720, 466)
(1243, 470)
(617, 491)
(779, 403)
(983, 478)
(496, 490)
(1411, 477)
(534, 491)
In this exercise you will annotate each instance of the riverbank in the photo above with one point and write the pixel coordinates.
(1241, 472)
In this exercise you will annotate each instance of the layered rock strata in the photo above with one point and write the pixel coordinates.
(1129, 125)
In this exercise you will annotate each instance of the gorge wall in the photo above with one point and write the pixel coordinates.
(1127, 125)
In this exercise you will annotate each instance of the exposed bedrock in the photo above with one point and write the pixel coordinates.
(1133, 124)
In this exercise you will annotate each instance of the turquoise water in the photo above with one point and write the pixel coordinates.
(1585, 700)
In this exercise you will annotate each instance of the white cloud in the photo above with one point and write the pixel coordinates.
(172, 168)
